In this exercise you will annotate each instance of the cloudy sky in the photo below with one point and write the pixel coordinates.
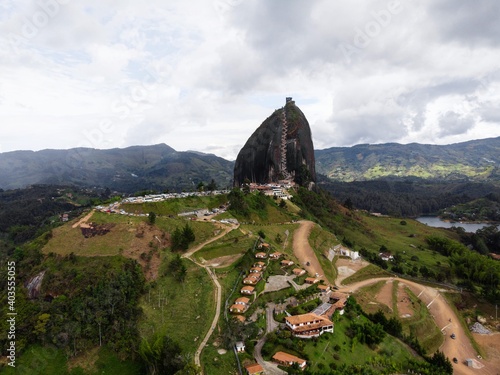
(203, 74)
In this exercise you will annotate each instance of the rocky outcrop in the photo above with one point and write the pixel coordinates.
(34, 285)
(281, 148)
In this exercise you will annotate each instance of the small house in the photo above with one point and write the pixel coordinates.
(275, 255)
(298, 271)
(237, 308)
(247, 290)
(286, 262)
(324, 288)
(261, 255)
(243, 301)
(311, 280)
(254, 369)
(386, 256)
(240, 347)
(286, 359)
(259, 264)
(256, 270)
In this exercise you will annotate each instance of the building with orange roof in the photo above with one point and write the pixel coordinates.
(252, 279)
(240, 318)
(324, 288)
(243, 301)
(275, 255)
(298, 271)
(311, 280)
(308, 325)
(238, 308)
(286, 359)
(247, 290)
(254, 369)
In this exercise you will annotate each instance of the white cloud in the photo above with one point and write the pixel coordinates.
(204, 75)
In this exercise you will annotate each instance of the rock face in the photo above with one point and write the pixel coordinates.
(280, 149)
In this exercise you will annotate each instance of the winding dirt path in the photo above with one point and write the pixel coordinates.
(303, 251)
(225, 229)
(460, 347)
(217, 291)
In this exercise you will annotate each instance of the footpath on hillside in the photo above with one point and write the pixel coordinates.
(218, 288)
(303, 250)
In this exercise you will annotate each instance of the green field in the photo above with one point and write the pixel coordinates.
(37, 360)
(235, 242)
(408, 241)
(369, 272)
(68, 240)
(420, 324)
(271, 232)
(182, 311)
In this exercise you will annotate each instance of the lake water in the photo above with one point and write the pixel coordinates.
(434, 221)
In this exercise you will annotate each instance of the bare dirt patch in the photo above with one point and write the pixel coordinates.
(384, 296)
(145, 248)
(83, 220)
(303, 251)
(348, 267)
(491, 345)
(405, 308)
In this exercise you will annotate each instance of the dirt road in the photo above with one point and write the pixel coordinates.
(460, 347)
(83, 220)
(303, 251)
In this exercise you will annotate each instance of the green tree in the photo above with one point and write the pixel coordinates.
(152, 218)
(190, 369)
(212, 185)
(161, 355)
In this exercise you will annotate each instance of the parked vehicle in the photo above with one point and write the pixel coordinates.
(453, 336)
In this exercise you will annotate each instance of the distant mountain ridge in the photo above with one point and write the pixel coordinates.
(476, 160)
(160, 167)
(130, 169)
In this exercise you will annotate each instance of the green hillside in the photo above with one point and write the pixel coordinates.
(475, 160)
(122, 289)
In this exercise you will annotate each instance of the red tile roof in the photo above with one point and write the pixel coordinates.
(254, 369)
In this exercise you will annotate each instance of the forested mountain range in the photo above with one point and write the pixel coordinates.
(477, 160)
(157, 167)
(405, 180)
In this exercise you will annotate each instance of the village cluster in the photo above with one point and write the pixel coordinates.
(278, 190)
(303, 326)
